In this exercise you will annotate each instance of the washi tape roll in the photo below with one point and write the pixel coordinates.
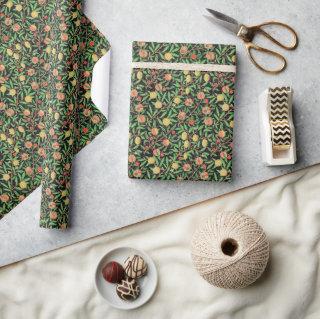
(279, 118)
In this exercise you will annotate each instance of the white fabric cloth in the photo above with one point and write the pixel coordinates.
(60, 284)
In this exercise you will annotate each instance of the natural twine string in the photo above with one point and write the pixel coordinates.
(230, 250)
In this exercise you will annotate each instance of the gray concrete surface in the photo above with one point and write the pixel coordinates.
(104, 198)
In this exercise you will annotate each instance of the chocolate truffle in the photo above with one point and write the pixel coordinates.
(128, 289)
(113, 272)
(135, 266)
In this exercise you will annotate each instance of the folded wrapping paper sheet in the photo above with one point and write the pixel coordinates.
(47, 53)
(182, 108)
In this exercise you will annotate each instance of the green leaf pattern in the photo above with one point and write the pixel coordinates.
(47, 53)
(181, 122)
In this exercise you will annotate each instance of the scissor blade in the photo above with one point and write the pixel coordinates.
(225, 21)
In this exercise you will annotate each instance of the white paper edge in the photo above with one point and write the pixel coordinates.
(100, 84)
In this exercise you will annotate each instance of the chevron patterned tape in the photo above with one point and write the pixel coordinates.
(279, 118)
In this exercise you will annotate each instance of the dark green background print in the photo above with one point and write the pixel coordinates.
(47, 53)
(181, 121)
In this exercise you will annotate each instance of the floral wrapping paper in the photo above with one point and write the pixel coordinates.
(47, 53)
(181, 121)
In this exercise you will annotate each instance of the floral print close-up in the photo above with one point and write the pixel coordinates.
(47, 53)
(181, 121)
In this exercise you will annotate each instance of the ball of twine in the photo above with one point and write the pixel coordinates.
(230, 250)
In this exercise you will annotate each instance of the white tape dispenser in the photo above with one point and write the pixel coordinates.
(278, 142)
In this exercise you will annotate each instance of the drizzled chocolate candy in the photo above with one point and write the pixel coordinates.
(135, 266)
(128, 289)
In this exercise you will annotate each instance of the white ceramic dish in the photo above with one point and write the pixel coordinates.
(148, 283)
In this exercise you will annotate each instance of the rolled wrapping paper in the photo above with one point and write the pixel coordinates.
(230, 250)
(48, 50)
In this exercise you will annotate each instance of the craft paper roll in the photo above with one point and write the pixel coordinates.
(48, 50)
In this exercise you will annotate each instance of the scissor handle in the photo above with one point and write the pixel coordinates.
(251, 46)
(259, 29)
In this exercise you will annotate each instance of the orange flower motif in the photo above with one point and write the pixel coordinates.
(95, 119)
(10, 112)
(59, 86)
(16, 27)
(86, 74)
(143, 54)
(62, 26)
(53, 215)
(33, 28)
(137, 173)
(24, 156)
(226, 89)
(35, 60)
(181, 116)
(86, 86)
(28, 144)
(186, 167)
(31, 72)
(168, 77)
(35, 85)
(208, 121)
(210, 56)
(46, 67)
(60, 96)
(41, 152)
(204, 175)
(134, 93)
(223, 154)
(52, 205)
(199, 161)
(29, 171)
(56, 145)
(4, 198)
(131, 158)
(154, 131)
(139, 108)
(141, 119)
(166, 142)
(221, 134)
(201, 96)
(183, 50)
(48, 191)
(188, 102)
(57, 155)
(86, 112)
(26, 112)
(7, 21)
(206, 110)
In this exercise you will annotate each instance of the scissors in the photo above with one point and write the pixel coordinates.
(247, 34)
